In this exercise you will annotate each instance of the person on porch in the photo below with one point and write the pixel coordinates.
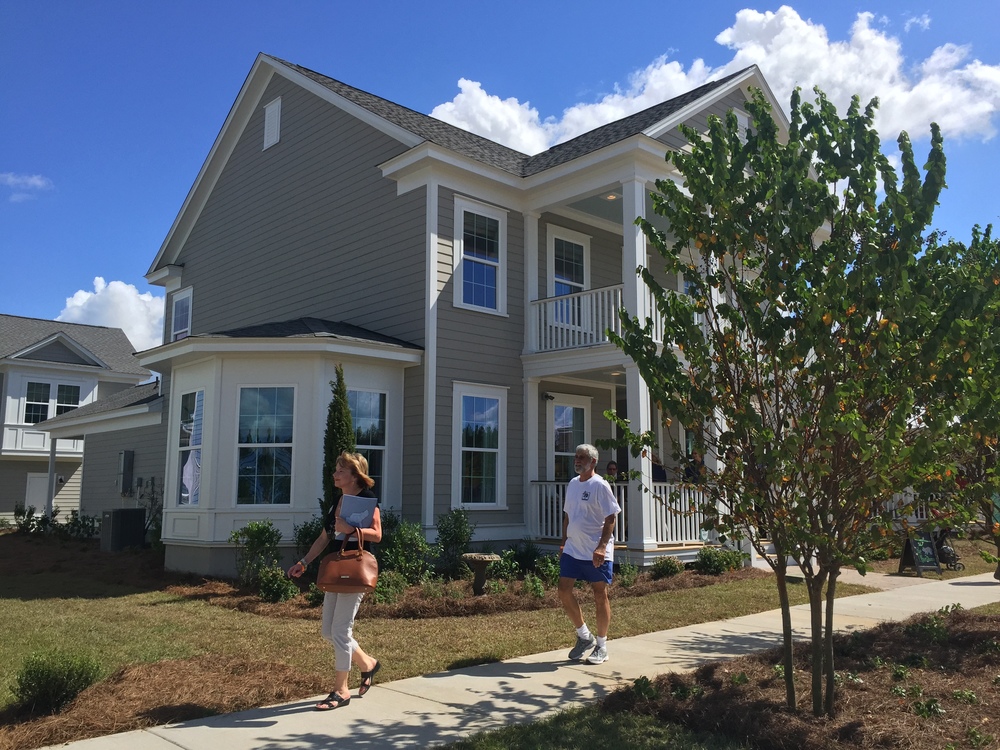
(589, 514)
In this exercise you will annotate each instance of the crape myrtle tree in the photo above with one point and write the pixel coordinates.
(339, 437)
(816, 317)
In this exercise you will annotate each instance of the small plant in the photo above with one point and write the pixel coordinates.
(996, 680)
(965, 696)
(315, 596)
(404, 548)
(495, 587)
(666, 567)
(915, 691)
(779, 671)
(628, 574)
(533, 586)
(455, 532)
(48, 680)
(77, 527)
(683, 692)
(391, 585)
(851, 678)
(931, 628)
(898, 690)
(992, 646)
(899, 672)
(644, 688)
(547, 568)
(716, 561)
(977, 738)
(928, 709)
(432, 587)
(256, 549)
(274, 586)
(525, 554)
(917, 661)
(740, 678)
(506, 568)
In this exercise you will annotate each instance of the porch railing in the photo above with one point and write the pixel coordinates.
(577, 320)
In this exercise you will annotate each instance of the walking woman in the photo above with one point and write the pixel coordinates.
(339, 610)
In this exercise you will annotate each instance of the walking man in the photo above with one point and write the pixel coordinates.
(587, 551)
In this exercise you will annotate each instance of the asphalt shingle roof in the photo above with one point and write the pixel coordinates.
(146, 393)
(492, 153)
(110, 345)
(308, 328)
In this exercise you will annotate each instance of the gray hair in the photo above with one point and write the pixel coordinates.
(588, 449)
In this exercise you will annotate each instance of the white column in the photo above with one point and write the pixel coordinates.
(532, 406)
(430, 359)
(531, 273)
(50, 494)
(633, 247)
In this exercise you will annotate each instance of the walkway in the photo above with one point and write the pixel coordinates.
(436, 709)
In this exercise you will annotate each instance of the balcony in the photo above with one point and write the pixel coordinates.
(574, 321)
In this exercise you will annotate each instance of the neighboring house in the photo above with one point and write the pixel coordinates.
(466, 288)
(47, 369)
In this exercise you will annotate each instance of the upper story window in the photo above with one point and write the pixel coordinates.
(569, 261)
(272, 123)
(479, 448)
(264, 446)
(480, 256)
(368, 419)
(180, 320)
(38, 405)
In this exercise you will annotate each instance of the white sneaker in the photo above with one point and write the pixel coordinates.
(598, 656)
(582, 644)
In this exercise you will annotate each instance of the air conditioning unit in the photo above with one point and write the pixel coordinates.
(123, 528)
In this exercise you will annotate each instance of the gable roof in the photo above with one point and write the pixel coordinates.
(108, 348)
(140, 395)
(308, 328)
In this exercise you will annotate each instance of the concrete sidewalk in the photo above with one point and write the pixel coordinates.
(441, 708)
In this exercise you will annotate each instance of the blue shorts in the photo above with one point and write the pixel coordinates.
(584, 570)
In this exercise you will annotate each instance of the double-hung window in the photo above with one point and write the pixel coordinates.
(67, 398)
(36, 403)
(189, 447)
(568, 418)
(368, 420)
(264, 446)
(480, 256)
(180, 320)
(569, 259)
(479, 452)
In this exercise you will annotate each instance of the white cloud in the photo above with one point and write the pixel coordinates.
(25, 187)
(961, 94)
(118, 305)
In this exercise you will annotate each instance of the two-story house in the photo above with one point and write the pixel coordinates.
(49, 368)
(466, 288)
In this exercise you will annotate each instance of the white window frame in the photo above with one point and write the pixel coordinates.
(463, 205)
(272, 123)
(366, 449)
(53, 405)
(184, 294)
(460, 390)
(291, 445)
(191, 447)
(578, 238)
(563, 399)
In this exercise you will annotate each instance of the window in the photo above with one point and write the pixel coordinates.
(68, 398)
(265, 446)
(272, 123)
(480, 256)
(479, 449)
(368, 420)
(569, 419)
(568, 261)
(180, 326)
(36, 403)
(189, 445)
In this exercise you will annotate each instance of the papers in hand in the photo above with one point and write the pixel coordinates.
(358, 511)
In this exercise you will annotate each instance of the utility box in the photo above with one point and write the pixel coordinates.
(123, 528)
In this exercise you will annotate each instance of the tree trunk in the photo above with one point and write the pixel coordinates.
(815, 584)
(780, 571)
(828, 642)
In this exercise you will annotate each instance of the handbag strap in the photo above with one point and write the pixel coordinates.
(361, 543)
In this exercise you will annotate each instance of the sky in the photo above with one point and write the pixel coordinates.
(108, 108)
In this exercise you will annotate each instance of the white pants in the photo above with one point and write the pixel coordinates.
(338, 626)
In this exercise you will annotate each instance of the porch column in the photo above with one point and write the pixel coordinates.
(531, 274)
(429, 458)
(633, 247)
(532, 398)
(51, 492)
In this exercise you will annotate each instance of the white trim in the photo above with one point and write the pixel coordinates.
(296, 432)
(272, 123)
(462, 205)
(563, 399)
(459, 390)
(187, 295)
(554, 232)
(433, 297)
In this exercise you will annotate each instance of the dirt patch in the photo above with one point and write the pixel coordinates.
(929, 682)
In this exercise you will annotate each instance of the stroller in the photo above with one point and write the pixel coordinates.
(945, 552)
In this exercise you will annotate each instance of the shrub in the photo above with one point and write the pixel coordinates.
(305, 534)
(716, 561)
(533, 586)
(432, 587)
(455, 532)
(526, 553)
(315, 595)
(666, 567)
(496, 587)
(274, 586)
(256, 549)
(48, 680)
(627, 573)
(391, 585)
(506, 568)
(547, 568)
(404, 548)
(77, 527)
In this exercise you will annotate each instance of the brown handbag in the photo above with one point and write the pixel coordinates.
(348, 571)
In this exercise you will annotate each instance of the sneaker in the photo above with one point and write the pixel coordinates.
(598, 656)
(582, 644)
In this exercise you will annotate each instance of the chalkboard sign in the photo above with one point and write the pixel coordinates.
(920, 552)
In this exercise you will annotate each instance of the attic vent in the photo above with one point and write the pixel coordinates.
(272, 123)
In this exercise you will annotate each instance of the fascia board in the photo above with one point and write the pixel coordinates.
(69, 343)
(143, 415)
(181, 352)
(164, 275)
(550, 364)
(430, 154)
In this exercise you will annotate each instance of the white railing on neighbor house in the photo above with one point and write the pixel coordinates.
(581, 319)
(674, 520)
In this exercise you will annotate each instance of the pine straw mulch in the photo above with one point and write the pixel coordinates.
(146, 695)
(893, 681)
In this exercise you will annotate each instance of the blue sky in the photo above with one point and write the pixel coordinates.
(109, 107)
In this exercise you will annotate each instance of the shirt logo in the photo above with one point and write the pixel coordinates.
(586, 496)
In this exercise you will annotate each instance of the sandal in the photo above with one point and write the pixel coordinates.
(367, 678)
(332, 701)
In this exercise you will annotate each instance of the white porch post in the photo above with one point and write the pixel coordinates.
(640, 507)
(531, 422)
(430, 360)
(531, 274)
(50, 494)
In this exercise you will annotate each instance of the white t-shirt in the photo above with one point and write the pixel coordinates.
(587, 505)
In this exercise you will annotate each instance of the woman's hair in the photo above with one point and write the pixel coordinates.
(358, 465)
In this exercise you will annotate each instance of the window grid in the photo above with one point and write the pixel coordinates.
(189, 445)
(368, 421)
(480, 449)
(36, 403)
(265, 446)
(67, 398)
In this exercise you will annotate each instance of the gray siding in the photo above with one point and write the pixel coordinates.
(413, 441)
(308, 227)
(99, 490)
(105, 389)
(57, 352)
(14, 484)
(605, 252)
